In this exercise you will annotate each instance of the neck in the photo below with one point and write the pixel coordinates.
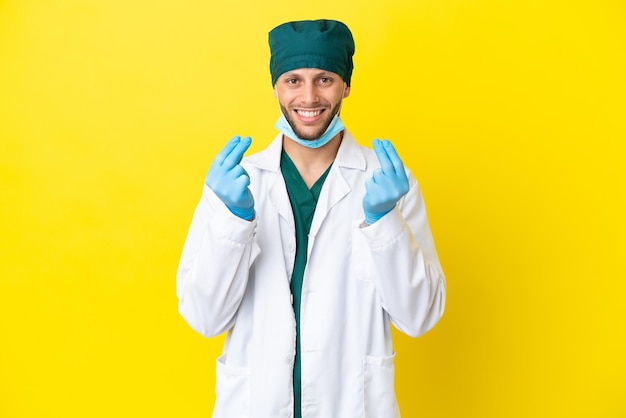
(312, 162)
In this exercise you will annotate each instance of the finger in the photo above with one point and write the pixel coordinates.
(233, 173)
(381, 153)
(236, 173)
(235, 155)
(398, 165)
(241, 182)
(221, 156)
(394, 157)
(378, 176)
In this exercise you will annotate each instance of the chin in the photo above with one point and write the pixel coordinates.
(308, 136)
(312, 133)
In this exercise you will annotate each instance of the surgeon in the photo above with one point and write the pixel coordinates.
(305, 253)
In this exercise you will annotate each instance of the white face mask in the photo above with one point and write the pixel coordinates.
(336, 126)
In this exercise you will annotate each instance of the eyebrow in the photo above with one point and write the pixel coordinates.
(321, 73)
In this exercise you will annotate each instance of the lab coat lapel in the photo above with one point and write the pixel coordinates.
(269, 160)
(336, 187)
(280, 200)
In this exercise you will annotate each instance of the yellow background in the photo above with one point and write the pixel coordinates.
(510, 113)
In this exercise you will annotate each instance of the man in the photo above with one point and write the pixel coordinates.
(307, 251)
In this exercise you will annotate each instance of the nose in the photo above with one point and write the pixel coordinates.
(310, 93)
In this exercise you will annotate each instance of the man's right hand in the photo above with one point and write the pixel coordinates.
(229, 181)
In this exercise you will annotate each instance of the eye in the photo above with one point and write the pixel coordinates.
(325, 81)
(291, 81)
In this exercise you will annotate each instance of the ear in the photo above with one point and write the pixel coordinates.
(275, 92)
(346, 92)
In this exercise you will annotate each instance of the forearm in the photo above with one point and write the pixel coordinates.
(409, 278)
(214, 266)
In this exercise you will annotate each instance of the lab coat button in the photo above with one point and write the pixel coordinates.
(285, 412)
(289, 358)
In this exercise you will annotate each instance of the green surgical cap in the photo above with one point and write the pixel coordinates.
(323, 44)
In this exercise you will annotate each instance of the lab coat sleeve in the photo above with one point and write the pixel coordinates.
(214, 266)
(409, 278)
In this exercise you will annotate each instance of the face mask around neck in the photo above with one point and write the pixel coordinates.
(333, 129)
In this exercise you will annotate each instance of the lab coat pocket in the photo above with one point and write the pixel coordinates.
(378, 387)
(232, 388)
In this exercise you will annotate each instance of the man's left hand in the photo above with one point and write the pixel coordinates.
(387, 185)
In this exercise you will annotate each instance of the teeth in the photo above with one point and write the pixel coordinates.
(309, 113)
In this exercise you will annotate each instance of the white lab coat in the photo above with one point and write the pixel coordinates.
(234, 276)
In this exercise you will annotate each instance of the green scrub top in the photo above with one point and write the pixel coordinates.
(303, 201)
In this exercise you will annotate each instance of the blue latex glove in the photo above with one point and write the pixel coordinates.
(229, 181)
(387, 185)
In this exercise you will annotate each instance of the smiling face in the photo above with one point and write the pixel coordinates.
(310, 98)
